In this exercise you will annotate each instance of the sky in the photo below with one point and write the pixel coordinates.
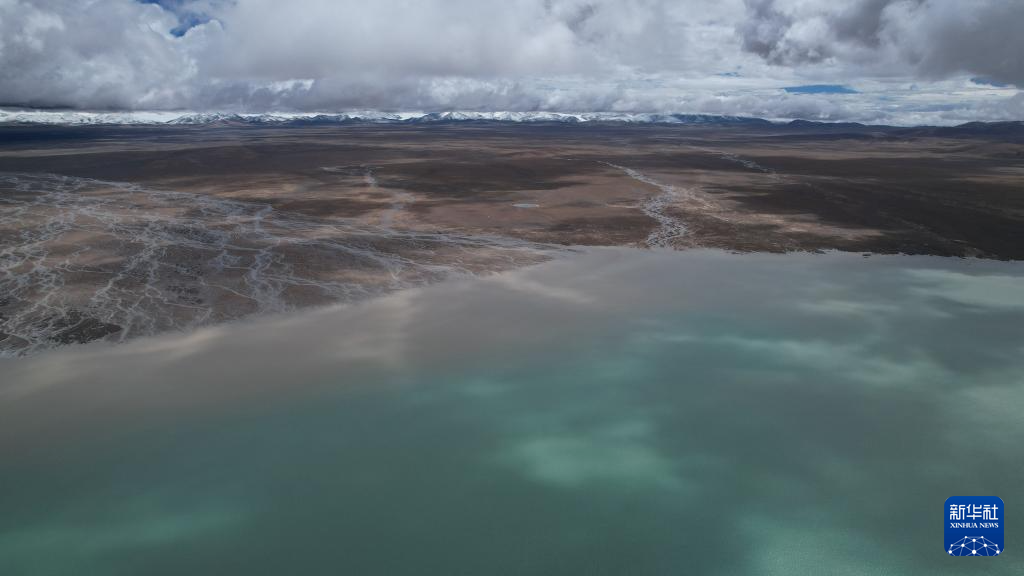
(877, 61)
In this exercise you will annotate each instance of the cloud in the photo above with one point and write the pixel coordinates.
(944, 37)
(792, 33)
(90, 54)
(733, 56)
(923, 39)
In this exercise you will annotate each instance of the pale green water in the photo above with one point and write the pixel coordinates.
(618, 412)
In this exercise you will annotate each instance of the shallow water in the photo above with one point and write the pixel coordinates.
(613, 412)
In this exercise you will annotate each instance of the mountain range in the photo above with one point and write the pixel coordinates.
(76, 118)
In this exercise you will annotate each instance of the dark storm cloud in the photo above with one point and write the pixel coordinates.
(764, 31)
(985, 38)
(925, 39)
(793, 36)
(862, 21)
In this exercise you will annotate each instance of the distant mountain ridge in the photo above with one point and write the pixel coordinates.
(80, 118)
(171, 118)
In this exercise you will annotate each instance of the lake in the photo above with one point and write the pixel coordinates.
(614, 411)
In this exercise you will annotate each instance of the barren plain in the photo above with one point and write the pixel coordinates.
(113, 232)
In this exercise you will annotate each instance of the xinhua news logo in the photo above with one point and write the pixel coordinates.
(974, 526)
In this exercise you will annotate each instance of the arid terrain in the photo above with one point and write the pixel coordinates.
(111, 232)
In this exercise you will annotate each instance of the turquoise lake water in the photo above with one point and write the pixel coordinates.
(612, 412)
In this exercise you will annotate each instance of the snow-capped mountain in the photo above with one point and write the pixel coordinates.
(73, 117)
(203, 118)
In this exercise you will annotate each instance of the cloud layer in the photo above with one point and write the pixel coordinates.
(929, 39)
(909, 60)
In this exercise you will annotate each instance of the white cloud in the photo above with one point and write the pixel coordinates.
(90, 54)
(909, 58)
